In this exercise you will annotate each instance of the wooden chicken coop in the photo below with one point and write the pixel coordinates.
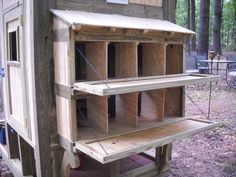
(101, 81)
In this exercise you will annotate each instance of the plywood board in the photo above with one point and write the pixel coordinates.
(97, 107)
(153, 64)
(174, 65)
(157, 3)
(126, 66)
(125, 145)
(129, 85)
(78, 19)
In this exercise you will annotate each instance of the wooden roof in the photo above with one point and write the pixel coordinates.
(77, 19)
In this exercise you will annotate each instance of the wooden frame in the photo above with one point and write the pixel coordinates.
(129, 85)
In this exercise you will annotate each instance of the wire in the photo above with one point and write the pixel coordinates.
(210, 93)
(92, 67)
(92, 131)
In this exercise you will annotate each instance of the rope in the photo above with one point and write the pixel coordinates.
(92, 67)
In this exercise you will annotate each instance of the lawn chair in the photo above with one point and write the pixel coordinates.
(202, 67)
(231, 75)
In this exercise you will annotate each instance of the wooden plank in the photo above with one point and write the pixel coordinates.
(122, 146)
(153, 63)
(27, 158)
(103, 7)
(174, 65)
(126, 66)
(115, 168)
(157, 3)
(42, 57)
(13, 144)
(97, 107)
(99, 33)
(140, 84)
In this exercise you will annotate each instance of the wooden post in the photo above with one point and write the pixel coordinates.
(44, 85)
(115, 168)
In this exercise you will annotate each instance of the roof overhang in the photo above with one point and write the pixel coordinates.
(77, 19)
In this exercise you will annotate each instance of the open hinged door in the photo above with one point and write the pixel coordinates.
(120, 146)
(15, 82)
(129, 85)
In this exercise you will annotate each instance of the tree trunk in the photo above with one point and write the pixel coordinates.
(203, 43)
(187, 23)
(217, 26)
(193, 24)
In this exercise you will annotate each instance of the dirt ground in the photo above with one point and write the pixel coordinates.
(211, 153)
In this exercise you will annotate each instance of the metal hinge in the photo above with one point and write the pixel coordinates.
(22, 20)
(2, 72)
(26, 122)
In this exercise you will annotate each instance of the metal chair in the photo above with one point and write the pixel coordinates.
(231, 75)
(231, 57)
(202, 66)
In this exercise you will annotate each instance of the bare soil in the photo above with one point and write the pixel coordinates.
(211, 153)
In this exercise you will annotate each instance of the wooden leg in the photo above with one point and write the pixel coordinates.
(115, 168)
(69, 161)
(163, 157)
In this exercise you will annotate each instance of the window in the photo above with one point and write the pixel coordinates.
(13, 46)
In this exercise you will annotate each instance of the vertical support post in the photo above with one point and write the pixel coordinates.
(115, 168)
(44, 83)
(163, 157)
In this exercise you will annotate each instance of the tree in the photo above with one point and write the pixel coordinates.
(217, 26)
(187, 22)
(203, 43)
(193, 24)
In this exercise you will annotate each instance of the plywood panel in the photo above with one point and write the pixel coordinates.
(97, 107)
(157, 3)
(61, 60)
(153, 63)
(66, 121)
(126, 66)
(174, 65)
(16, 88)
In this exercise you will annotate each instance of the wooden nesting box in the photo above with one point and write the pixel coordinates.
(119, 84)
(95, 77)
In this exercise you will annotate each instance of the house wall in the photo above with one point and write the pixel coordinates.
(136, 8)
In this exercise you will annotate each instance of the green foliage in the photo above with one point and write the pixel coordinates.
(228, 21)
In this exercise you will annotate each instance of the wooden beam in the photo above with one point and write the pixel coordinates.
(44, 86)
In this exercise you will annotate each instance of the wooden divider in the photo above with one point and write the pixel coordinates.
(153, 63)
(97, 107)
(126, 66)
(174, 96)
